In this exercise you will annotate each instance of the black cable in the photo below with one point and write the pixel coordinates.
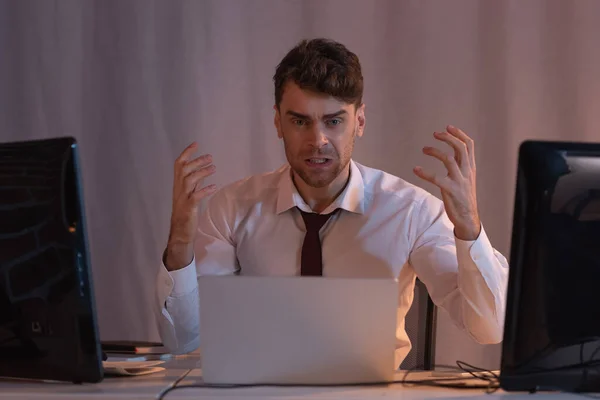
(162, 394)
(490, 387)
(485, 374)
(464, 367)
(590, 363)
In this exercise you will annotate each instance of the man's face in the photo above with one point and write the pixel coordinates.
(318, 132)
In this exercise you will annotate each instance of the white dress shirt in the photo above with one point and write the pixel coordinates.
(387, 227)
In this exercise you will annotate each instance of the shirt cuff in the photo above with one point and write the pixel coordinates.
(475, 249)
(182, 281)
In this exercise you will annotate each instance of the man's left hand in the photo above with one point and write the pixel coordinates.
(458, 187)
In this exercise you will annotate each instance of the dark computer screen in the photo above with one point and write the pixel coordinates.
(553, 299)
(47, 317)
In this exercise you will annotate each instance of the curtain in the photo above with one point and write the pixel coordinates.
(137, 81)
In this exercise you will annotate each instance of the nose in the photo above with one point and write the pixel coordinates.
(317, 137)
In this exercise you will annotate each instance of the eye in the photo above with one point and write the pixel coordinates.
(299, 122)
(334, 122)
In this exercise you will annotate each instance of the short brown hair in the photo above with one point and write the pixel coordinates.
(322, 66)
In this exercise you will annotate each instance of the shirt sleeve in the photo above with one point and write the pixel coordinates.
(178, 303)
(467, 279)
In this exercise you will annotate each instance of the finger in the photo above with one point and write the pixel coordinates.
(191, 181)
(431, 177)
(460, 149)
(197, 163)
(466, 139)
(206, 191)
(449, 161)
(186, 154)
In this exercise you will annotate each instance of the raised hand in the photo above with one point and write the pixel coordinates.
(188, 191)
(459, 185)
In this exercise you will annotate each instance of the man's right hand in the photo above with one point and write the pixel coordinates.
(188, 191)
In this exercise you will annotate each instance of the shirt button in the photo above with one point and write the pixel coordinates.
(167, 282)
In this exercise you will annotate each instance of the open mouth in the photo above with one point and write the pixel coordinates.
(318, 162)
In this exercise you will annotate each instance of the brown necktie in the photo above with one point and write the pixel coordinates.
(312, 262)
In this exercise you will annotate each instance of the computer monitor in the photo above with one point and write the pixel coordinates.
(48, 327)
(552, 325)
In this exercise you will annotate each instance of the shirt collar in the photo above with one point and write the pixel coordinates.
(351, 199)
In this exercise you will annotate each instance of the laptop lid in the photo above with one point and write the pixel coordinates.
(297, 330)
(552, 321)
(48, 327)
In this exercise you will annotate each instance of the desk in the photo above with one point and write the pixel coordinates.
(356, 393)
(130, 387)
(150, 386)
(397, 391)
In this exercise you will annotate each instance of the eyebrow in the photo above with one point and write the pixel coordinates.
(326, 116)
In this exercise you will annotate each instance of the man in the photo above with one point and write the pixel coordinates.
(324, 214)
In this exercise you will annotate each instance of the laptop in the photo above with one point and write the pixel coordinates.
(297, 330)
(48, 326)
(552, 323)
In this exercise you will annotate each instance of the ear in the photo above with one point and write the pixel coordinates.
(277, 121)
(360, 120)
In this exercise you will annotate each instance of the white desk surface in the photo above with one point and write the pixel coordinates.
(397, 391)
(150, 386)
